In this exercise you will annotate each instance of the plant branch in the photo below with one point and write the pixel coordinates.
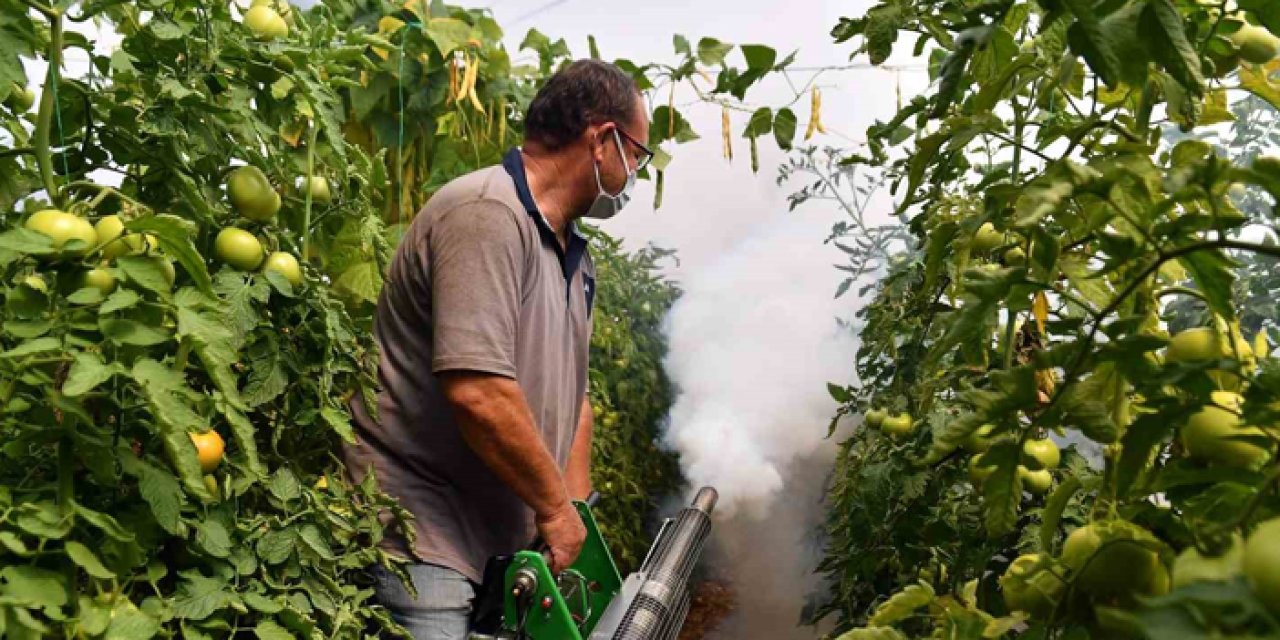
(44, 118)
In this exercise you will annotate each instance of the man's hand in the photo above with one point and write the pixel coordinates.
(563, 533)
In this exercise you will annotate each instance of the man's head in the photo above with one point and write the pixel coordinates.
(592, 121)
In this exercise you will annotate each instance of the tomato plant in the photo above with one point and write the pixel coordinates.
(1129, 319)
(184, 324)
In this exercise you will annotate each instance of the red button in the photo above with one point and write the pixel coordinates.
(546, 602)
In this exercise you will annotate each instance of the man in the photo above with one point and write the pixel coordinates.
(483, 429)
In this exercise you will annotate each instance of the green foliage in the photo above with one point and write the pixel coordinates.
(1071, 128)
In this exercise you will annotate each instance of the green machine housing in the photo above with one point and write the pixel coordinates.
(523, 600)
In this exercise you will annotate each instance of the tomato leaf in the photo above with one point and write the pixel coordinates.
(34, 586)
(160, 490)
(147, 272)
(340, 422)
(213, 342)
(1267, 12)
(314, 539)
(87, 372)
(1088, 39)
(175, 421)
(105, 523)
(1140, 438)
(87, 560)
(1164, 28)
(23, 240)
(32, 347)
(119, 300)
(276, 546)
(267, 376)
(1002, 490)
(1212, 271)
(271, 630)
(129, 623)
(903, 604)
(125, 331)
(213, 537)
(86, 296)
(199, 597)
(245, 434)
(284, 485)
(175, 235)
(261, 603)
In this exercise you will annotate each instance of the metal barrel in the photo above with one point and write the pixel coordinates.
(658, 610)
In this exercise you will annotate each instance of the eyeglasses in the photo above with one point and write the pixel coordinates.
(648, 153)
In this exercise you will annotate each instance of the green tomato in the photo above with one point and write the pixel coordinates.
(1040, 454)
(113, 243)
(238, 248)
(1209, 434)
(900, 425)
(986, 238)
(264, 23)
(1255, 44)
(1015, 257)
(979, 470)
(99, 279)
(319, 188)
(1114, 558)
(251, 194)
(1206, 343)
(286, 265)
(978, 441)
(875, 417)
(20, 99)
(1262, 563)
(63, 227)
(1192, 566)
(1030, 585)
(1036, 482)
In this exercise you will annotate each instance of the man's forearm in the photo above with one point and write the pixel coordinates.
(577, 476)
(496, 423)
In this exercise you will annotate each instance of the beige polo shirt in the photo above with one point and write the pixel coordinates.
(479, 283)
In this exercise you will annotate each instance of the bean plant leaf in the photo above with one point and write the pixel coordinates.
(712, 52)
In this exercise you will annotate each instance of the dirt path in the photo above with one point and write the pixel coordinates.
(713, 601)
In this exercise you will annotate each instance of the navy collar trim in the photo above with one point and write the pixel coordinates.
(571, 256)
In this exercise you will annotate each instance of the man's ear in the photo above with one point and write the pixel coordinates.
(597, 137)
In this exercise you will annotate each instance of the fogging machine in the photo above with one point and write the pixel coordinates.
(520, 599)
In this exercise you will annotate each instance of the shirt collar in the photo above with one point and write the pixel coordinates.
(570, 257)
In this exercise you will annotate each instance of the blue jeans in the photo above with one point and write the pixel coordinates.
(443, 605)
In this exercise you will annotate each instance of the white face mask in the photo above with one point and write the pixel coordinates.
(605, 205)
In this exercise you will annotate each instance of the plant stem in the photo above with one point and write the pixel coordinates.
(306, 214)
(44, 118)
(17, 151)
(184, 352)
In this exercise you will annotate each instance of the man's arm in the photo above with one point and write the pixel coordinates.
(577, 476)
(496, 423)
